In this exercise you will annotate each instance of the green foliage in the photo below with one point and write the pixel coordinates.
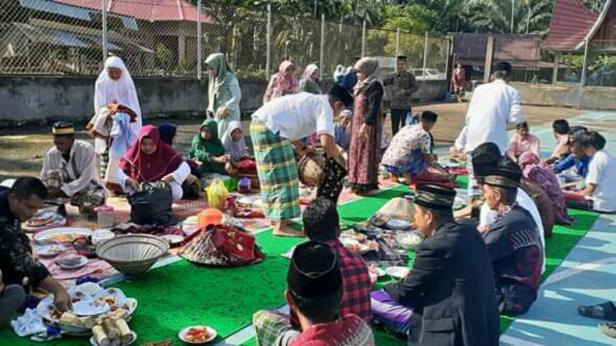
(164, 56)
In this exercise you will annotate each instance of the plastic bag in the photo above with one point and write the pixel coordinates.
(217, 194)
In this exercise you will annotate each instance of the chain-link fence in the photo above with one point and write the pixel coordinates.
(162, 39)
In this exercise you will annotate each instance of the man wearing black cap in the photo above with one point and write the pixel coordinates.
(403, 86)
(450, 287)
(513, 241)
(485, 160)
(280, 123)
(314, 293)
(69, 169)
(492, 107)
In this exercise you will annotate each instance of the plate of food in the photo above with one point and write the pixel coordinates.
(41, 219)
(62, 234)
(398, 272)
(71, 262)
(49, 251)
(119, 307)
(173, 239)
(408, 240)
(197, 335)
(397, 225)
(351, 234)
(90, 308)
(360, 247)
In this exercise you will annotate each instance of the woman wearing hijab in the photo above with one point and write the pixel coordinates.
(192, 184)
(235, 147)
(207, 150)
(366, 128)
(150, 160)
(282, 83)
(224, 93)
(117, 116)
(338, 74)
(543, 176)
(310, 81)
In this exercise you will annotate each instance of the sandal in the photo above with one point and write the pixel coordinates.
(608, 328)
(605, 311)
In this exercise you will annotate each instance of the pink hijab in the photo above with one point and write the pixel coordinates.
(149, 168)
(288, 85)
(541, 174)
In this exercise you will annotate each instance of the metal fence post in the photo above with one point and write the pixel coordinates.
(104, 15)
(397, 46)
(363, 39)
(585, 64)
(425, 54)
(199, 38)
(268, 40)
(321, 53)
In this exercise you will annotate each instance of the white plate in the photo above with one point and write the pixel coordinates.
(173, 239)
(211, 332)
(398, 272)
(101, 235)
(48, 251)
(82, 262)
(93, 340)
(408, 240)
(394, 224)
(90, 308)
(47, 235)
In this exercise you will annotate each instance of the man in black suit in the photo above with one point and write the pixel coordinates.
(451, 285)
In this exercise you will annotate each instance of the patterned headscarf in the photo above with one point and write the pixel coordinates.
(370, 68)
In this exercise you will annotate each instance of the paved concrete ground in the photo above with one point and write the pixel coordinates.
(22, 153)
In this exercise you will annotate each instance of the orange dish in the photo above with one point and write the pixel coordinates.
(197, 334)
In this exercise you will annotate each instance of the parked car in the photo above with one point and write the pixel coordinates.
(428, 74)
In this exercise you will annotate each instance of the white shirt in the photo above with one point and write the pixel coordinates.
(602, 173)
(297, 116)
(488, 216)
(492, 106)
(78, 172)
(460, 143)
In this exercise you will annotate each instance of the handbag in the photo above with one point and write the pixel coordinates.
(331, 181)
(151, 204)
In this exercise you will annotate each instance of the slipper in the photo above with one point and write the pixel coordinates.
(605, 311)
(608, 328)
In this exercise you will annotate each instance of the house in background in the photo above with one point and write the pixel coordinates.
(522, 51)
(154, 37)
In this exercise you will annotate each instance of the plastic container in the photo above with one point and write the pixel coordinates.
(209, 216)
(105, 217)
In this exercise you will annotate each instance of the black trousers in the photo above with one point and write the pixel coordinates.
(398, 119)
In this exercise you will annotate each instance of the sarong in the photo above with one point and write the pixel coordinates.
(277, 173)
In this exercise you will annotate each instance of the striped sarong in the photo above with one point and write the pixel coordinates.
(277, 173)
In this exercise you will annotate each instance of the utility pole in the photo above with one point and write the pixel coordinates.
(512, 14)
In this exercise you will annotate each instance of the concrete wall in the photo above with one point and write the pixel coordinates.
(564, 95)
(39, 98)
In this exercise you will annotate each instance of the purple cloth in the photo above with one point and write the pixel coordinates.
(390, 313)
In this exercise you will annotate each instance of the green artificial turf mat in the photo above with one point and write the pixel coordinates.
(183, 294)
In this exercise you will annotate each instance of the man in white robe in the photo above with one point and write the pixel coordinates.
(492, 107)
(69, 170)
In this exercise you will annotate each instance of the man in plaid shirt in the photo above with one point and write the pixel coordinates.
(321, 223)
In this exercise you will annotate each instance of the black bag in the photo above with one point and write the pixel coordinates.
(151, 204)
(332, 180)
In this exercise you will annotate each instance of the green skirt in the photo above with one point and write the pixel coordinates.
(277, 173)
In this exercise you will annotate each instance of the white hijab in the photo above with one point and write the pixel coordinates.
(236, 149)
(120, 91)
